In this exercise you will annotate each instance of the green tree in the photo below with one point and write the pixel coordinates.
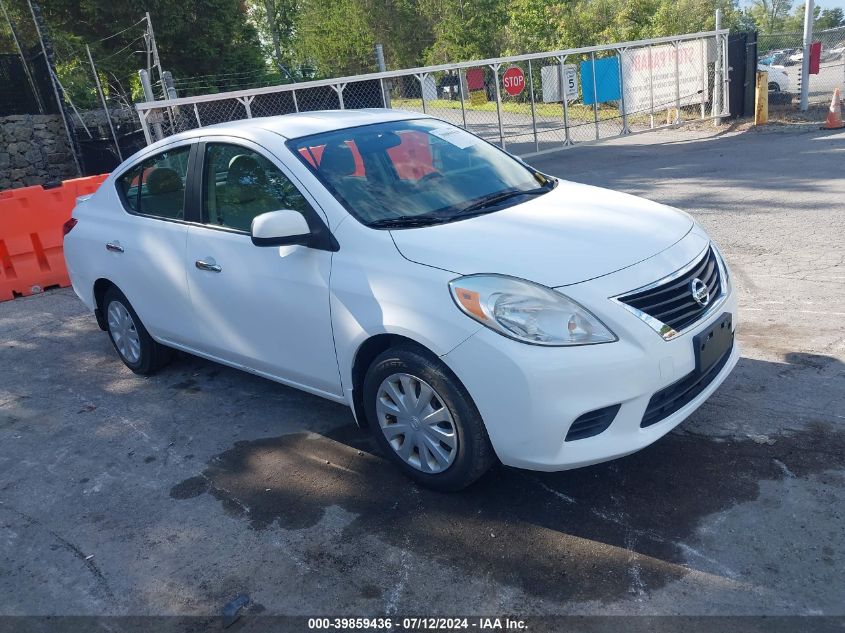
(338, 41)
(342, 40)
(194, 37)
(830, 19)
(770, 15)
(465, 29)
(276, 24)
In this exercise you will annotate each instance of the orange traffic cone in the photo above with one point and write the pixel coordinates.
(834, 117)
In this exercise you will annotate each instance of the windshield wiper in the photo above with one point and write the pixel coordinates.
(478, 207)
(496, 198)
(409, 221)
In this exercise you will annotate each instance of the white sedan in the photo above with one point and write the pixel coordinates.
(778, 80)
(467, 307)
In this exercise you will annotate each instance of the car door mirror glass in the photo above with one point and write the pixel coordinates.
(280, 228)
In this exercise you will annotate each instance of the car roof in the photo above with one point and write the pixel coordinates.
(298, 124)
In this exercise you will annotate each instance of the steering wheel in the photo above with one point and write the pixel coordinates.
(429, 177)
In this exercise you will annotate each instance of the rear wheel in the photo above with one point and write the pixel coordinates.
(774, 87)
(136, 348)
(425, 421)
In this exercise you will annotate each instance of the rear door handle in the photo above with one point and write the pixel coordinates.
(114, 247)
(209, 266)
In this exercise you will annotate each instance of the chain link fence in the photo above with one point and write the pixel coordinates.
(781, 55)
(526, 103)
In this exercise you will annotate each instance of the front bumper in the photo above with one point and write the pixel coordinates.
(529, 396)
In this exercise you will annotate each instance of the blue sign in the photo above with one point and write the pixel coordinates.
(607, 80)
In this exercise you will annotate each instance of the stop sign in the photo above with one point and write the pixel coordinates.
(513, 80)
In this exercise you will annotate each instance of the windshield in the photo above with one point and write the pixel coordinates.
(419, 172)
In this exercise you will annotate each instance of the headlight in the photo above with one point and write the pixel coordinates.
(527, 311)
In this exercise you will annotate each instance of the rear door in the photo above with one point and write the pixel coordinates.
(263, 308)
(146, 245)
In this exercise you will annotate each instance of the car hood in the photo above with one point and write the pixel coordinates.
(571, 234)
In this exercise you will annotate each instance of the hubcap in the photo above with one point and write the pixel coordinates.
(416, 423)
(123, 332)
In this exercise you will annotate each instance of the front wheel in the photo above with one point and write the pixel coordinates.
(136, 348)
(425, 421)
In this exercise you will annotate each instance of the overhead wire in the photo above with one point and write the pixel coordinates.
(108, 37)
(130, 45)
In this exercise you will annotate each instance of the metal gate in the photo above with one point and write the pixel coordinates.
(547, 100)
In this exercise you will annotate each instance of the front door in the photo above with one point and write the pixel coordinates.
(263, 308)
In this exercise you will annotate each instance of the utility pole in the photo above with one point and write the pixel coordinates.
(805, 61)
(23, 60)
(156, 60)
(48, 60)
(103, 100)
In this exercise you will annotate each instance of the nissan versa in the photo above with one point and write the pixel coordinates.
(467, 307)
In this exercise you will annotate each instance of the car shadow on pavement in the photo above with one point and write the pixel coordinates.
(600, 532)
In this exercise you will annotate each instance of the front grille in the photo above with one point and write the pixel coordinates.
(672, 303)
(592, 423)
(679, 394)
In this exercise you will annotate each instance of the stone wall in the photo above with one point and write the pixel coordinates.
(33, 151)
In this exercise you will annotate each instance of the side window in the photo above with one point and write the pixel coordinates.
(241, 184)
(156, 187)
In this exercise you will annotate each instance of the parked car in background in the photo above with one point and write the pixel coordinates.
(467, 307)
(794, 58)
(830, 53)
(778, 79)
(775, 58)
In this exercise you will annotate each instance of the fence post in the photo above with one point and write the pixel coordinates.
(24, 61)
(650, 89)
(421, 78)
(142, 117)
(461, 92)
(620, 52)
(563, 97)
(805, 61)
(595, 94)
(197, 114)
(533, 113)
(295, 103)
(105, 105)
(338, 88)
(245, 102)
(677, 86)
(495, 68)
(726, 80)
(717, 71)
(384, 100)
(382, 67)
(38, 20)
(703, 45)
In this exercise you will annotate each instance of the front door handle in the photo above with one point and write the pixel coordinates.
(114, 247)
(209, 266)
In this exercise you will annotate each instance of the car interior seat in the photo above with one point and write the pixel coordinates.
(165, 194)
(245, 194)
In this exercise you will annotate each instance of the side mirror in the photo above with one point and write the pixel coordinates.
(280, 228)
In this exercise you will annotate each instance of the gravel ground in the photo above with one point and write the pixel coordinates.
(173, 494)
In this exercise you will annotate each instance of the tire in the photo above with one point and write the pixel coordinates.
(461, 448)
(774, 87)
(133, 344)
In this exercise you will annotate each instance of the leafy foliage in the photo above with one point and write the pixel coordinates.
(217, 45)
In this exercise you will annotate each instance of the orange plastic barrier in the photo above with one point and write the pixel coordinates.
(31, 219)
